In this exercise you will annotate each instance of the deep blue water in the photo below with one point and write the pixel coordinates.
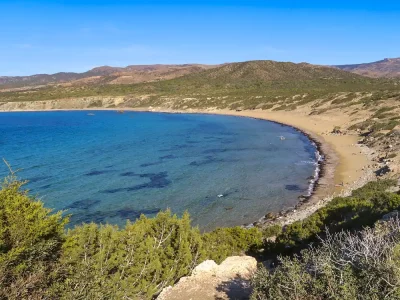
(109, 167)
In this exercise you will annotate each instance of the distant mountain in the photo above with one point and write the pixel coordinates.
(106, 74)
(389, 67)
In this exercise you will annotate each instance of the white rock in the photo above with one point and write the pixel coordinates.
(208, 266)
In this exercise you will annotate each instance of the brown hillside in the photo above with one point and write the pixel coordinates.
(389, 67)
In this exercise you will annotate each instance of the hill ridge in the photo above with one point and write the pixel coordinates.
(387, 67)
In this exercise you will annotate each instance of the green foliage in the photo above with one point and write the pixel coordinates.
(271, 231)
(346, 265)
(30, 243)
(39, 259)
(224, 242)
(102, 262)
(362, 208)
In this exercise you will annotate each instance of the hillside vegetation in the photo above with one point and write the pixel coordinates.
(362, 265)
(266, 78)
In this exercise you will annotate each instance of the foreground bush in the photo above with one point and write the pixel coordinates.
(138, 261)
(40, 260)
(30, 243)
(364, 265)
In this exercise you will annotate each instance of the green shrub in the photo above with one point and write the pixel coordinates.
(135, 262)
(30, 243)
(362, 208)
(364, 265)
(271, 231)
(224, 242)
(38, 259)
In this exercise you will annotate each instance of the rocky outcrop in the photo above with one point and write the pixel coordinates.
(229, 280)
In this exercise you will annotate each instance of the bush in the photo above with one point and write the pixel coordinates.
(363, 208)
(363, 265)
(271, 231)
(38, 259)
(224, 242)
(30, 243)
(135, 262)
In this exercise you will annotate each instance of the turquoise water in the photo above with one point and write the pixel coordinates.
(109, 167)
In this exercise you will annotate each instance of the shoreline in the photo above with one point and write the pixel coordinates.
(333, 169)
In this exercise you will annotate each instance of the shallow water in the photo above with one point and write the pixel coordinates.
(109, 167)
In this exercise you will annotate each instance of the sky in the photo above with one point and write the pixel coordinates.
(75, 36)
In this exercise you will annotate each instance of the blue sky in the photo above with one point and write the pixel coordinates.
(53, 36)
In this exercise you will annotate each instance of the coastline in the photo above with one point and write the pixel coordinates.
(345, 161)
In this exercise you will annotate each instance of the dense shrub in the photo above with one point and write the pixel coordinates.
(135, 262)
(224, 242)
(364, 265)
(30, 243)
(363, 208)
(39, 259)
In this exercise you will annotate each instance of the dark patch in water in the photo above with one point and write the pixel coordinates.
(128, 174)
(101, 216)
(83, 204)
(293, 187)
(110, 166)
(37, 178)
(151, 164)
(45, 186)
(176, 147)
(157, 181)
(100, 172)
(171, 156)
(128, 213)
(223, 150)
(227, 142)
(213, 151)
(208, 160)
(113, 191)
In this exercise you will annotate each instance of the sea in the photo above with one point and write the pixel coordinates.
(110, 166)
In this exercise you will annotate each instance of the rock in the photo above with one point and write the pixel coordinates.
(207, 266)
(209, 281)
(233, 266)
(391, 215)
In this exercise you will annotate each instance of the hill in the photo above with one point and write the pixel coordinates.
(389, 67)
(259, 75)
(105, 74)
